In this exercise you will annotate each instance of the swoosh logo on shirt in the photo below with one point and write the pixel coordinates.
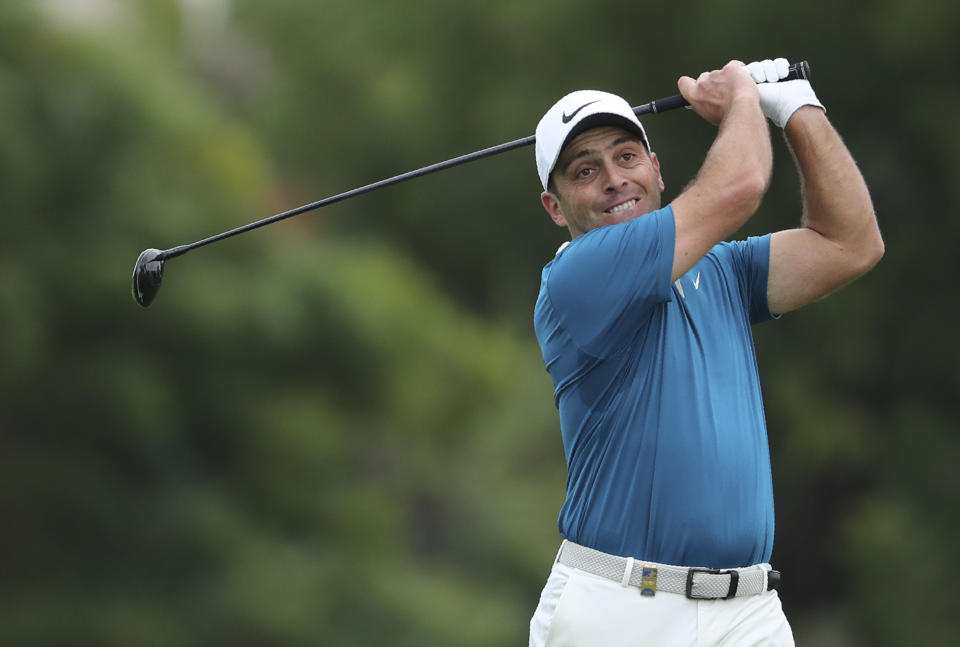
(566, 118)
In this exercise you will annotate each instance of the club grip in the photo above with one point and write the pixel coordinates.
(796, 71)
(799, 70)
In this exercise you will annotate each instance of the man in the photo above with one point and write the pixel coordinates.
(644, 323)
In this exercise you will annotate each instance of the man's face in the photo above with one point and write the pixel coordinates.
(603, 177)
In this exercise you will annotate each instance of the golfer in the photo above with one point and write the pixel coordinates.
(644, 321)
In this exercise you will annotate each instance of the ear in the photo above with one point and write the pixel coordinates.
(552, 205)
(656, 165)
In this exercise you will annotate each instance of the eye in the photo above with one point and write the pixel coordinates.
(583, 172)
(628, 156)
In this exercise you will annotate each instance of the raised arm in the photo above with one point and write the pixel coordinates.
(736, 171)
(838, 238)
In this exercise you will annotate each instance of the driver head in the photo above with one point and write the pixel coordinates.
(147, 276)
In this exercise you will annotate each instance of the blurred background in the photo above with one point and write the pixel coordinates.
(338, 430)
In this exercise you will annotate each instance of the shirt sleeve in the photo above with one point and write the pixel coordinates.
(606, 282)
(750, 260)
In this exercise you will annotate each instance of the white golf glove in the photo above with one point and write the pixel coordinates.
(780, 100)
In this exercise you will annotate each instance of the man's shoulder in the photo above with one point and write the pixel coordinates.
(610, 238)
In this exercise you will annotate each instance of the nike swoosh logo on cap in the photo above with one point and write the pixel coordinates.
(566, 118)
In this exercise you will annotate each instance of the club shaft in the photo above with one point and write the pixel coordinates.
(409, 175)
(797, 71)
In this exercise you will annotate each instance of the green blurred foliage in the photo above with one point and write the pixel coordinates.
(338, 430)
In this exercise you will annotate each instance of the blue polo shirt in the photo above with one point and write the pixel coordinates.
(658, 393)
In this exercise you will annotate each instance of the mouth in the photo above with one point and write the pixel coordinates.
(623, 206)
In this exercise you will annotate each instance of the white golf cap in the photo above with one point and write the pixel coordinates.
(575, 113)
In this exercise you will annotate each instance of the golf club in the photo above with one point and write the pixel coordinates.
(148, 270)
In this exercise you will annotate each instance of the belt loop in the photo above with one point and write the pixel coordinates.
(627, 573)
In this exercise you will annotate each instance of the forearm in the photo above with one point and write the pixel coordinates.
(735, 172)
(740, 160)
(836, 201)
(741, 155)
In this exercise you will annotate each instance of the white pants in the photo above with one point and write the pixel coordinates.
(578, 609)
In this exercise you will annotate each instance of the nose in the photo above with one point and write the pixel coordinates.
(614, 179)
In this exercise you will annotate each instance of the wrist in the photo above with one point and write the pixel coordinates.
(743, 104)
(806, 113)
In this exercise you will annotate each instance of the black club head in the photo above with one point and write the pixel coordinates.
(147, 276)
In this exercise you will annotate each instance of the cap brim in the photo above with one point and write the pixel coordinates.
(603, 119)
